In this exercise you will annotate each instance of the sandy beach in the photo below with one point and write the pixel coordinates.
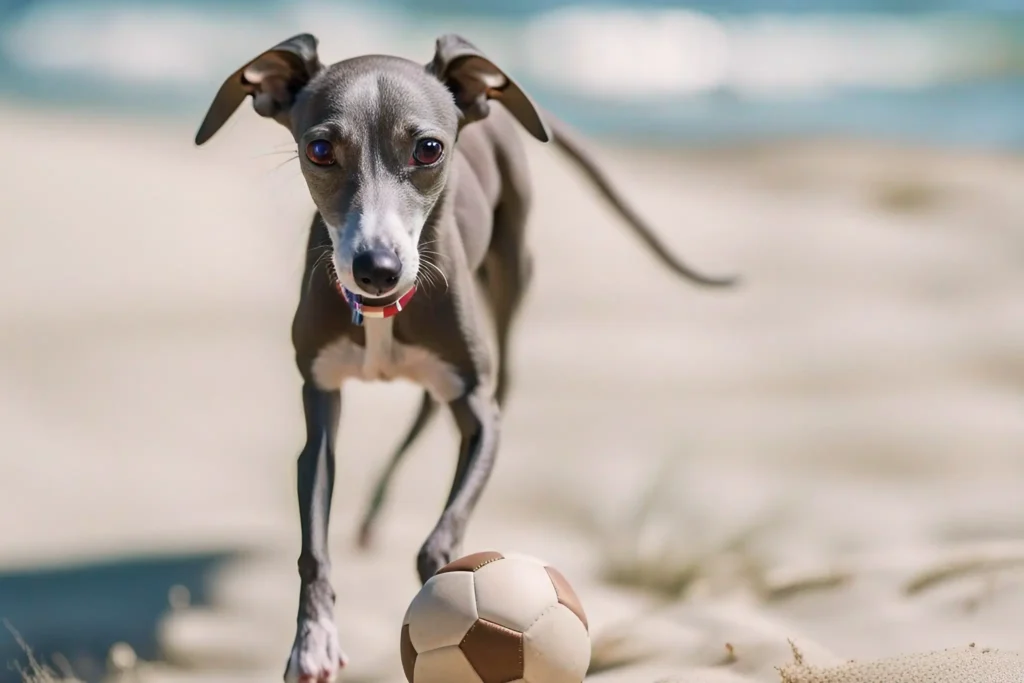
(830, 455)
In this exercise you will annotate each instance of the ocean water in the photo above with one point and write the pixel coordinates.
(942, 72)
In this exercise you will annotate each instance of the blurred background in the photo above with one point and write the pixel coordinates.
(831, 452)
(935, 71)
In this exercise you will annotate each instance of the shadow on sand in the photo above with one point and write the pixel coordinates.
(77, 612)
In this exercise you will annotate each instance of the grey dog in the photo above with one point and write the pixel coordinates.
(413, 170)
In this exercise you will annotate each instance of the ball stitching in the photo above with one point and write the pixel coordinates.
(486, 562)
(542, 614)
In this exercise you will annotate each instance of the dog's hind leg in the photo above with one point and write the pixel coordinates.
(508, 271)
(428, 408)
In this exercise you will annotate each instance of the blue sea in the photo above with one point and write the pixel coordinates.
(940, 72)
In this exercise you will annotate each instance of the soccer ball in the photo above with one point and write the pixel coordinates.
(494, 618)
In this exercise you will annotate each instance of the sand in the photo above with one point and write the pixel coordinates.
(828, 457)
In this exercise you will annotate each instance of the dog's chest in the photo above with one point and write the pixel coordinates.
(385, 359)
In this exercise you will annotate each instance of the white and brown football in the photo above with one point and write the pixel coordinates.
(492, 618)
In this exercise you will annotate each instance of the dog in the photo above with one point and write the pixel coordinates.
(422, 193)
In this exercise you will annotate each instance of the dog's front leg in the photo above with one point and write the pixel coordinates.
(477, 417)
(316, 655)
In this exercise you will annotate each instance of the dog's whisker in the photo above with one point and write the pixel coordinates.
(434, 272)
(324, 252)
(425, 260)
(427, 254)
(439, 272)
(427, 276)
(430, 255)
(286, 161)
(332, 272)
(275, 152)
(325, 256)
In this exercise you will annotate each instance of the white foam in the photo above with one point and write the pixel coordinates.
(165, 43)
(616, 53)
(603, 53)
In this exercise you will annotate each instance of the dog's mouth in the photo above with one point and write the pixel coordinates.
(348, 286)
(381, 299)
(375, 282)
(357, 296)
(345, 281)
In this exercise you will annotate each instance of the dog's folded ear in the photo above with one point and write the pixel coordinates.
(474, 80)
(274, 78)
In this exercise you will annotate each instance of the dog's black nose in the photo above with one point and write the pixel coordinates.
(376, 270)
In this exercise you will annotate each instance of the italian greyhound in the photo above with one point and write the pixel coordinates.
(422, 194)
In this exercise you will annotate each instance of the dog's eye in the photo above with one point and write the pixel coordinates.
(320, 152)
(427, 151)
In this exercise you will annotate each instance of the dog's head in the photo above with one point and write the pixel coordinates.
(375, 139)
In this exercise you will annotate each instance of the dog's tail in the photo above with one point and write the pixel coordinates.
(567, 141)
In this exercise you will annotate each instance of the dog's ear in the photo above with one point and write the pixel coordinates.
(273, 79)
(474, 79)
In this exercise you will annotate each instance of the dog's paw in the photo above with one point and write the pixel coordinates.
(316, 655)
(435, 553)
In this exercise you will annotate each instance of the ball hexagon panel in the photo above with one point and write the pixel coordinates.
(442, 612)
(567, 596)
(556, 648)
(495, 652)
(408, 653)
(470, 563)
(513, 592)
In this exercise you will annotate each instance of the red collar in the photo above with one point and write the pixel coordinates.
(359, 311)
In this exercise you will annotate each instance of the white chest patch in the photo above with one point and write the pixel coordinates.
(384, 359)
